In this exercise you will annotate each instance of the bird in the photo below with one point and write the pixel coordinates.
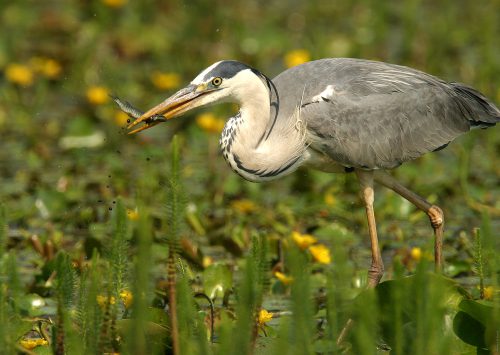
(336, 115)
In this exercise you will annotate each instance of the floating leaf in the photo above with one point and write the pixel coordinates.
(469, 329)
(217, 279)
(479, 315)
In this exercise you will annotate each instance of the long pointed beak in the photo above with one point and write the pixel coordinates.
(182, 101)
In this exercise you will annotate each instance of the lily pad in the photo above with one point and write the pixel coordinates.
(217, 279)
(476, 323)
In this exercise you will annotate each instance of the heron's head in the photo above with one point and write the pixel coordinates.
(221, 82)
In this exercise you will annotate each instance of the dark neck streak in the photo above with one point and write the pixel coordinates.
(274, 107)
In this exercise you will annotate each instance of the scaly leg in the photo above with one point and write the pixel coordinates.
(377, 267)
(435, 213)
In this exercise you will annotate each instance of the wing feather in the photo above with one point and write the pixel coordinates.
(379, 115)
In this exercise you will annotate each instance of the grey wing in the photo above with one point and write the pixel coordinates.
(382, 115)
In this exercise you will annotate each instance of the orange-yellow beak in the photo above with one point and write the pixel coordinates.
(182, 101)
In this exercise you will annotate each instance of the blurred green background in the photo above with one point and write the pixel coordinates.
(65, 157)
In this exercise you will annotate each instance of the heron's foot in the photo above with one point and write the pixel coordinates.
(436, 216)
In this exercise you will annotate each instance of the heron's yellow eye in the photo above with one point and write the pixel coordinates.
(217, 81)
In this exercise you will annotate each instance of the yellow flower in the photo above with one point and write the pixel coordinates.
(121, 118)
(207, 261)
(296, 57)
(329, 199)
(97, 95)
(127, 298)
(102, 300)
(285, 280)
(320, 253)
(303, 240)
(30, 344)
(19, 74)
(165, 81)
(48, 67)
(133, 215)
(488, 293)
(416, 253)
(210, 123)
(244, 206)
(114, 3)
(264, 317)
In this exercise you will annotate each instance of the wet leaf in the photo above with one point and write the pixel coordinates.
(217, 279)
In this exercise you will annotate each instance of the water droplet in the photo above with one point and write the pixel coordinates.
(99, 201)
(114, 202)
(128, 120)
(110, 208)
(148, 158)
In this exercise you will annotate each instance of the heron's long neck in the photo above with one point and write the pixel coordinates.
(256, 145)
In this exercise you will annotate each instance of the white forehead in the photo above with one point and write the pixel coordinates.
(199, 79)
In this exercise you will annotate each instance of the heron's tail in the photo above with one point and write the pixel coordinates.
(479, 110)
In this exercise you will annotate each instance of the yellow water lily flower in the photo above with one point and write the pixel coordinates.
(303, 240)
(320, 253)
(285, 279)
(329, 199)
(133, 214)
(30, 344)
(114, 3)
(296, 57)
(19, 74)
(207, 261)
(264, 317)
(121, 118)
(488, 292)
(127, 298)
(165, 81)
(244, 205)
(48, 67)
(102, 300)
(97, 95)
(210, 123)
(416, 253)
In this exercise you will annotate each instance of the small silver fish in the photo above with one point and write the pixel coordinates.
(133, 112)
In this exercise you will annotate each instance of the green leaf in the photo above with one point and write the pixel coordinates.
(217, 279)
(483, 313)
(31, 304)
(479, 311)
(469, 329)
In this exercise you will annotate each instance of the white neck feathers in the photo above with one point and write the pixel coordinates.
(255, 147)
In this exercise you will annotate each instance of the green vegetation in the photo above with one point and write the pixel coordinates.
(98, 230)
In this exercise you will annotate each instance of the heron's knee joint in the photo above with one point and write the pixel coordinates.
(436, 216)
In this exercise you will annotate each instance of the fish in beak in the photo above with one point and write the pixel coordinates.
(182, 101)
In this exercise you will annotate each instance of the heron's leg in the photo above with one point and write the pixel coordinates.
(435, 213)
(377, 267)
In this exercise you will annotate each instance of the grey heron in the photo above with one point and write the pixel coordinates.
(336, 115)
